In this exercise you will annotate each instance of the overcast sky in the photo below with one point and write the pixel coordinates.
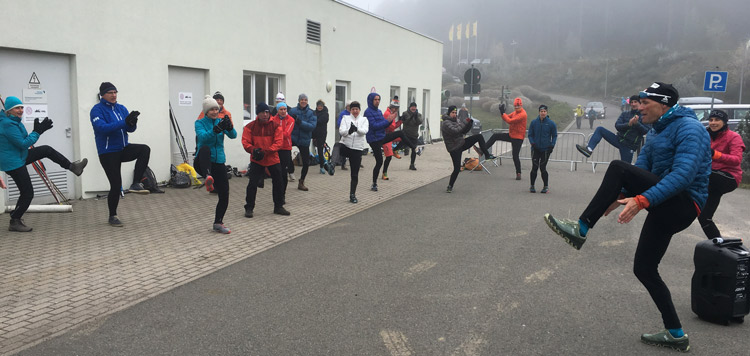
(368, 5)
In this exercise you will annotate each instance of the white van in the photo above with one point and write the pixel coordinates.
(736, 112)
(693, 100)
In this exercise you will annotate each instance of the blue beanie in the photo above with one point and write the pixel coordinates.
(11, 102)
(280, 105)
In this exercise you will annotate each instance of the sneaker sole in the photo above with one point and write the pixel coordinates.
(553, 226)
(222, 232)
(673, 347)
(209, 183)
(584, 152)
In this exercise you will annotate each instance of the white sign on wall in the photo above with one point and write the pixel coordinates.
(185, 99)
(34, 111)
(34, 96)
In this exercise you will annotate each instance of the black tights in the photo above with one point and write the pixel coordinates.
(285, 159)
(256, 175)
(355, 159)
(515, 144)
(456, 154)
(539, 161)
(320, 147)
(304, 154)
(662, 222)
(218, 171)
(377, 150)
(23, 180)
(719, 183)
(112, 162)
(413, 152)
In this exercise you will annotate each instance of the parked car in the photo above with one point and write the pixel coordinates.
(601, 110)
(736, 113)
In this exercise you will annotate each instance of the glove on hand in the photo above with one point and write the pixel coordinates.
(501, 107)
(468, 119)
(225, 123)
(132, 118)
(44, 125)
(217, 129)
(352, 129)
(258, 154)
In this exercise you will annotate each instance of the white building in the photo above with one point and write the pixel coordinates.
(162, 52)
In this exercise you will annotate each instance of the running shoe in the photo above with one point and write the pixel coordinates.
(220, 228)
(209, 184)
(584, 151)
(567, 229)
(665, 339)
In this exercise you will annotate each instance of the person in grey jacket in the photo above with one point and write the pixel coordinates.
(412, 119)
(453, 131)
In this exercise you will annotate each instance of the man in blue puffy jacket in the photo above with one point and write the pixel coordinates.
(15, 155)
(670, 181)
(112, 122)
(305, 122)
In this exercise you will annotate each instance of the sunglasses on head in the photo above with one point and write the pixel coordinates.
(644, 94)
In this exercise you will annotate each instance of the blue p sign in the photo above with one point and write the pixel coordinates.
(715, 81)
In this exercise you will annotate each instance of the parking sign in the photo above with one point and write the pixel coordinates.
(715, 82)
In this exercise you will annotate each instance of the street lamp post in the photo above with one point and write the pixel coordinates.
(742, 71)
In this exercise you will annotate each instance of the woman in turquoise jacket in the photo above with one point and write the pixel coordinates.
(15, 154)
(210, 158)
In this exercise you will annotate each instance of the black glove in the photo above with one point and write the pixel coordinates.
(44, 125)
(217, 129)
(352, 129)
(258, 154)
(132, 118)
(501, 107)
(549, 150)
(713, 151)
(225, 123)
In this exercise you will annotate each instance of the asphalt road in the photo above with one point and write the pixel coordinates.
(476, 272)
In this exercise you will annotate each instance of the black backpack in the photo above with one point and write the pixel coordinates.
(179, 179)
(149, 181)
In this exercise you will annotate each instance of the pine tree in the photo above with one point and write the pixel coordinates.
(744, 130)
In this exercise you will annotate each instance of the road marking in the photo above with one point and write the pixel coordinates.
(420, 267)
(502, 308)
(539, 276)
(471, 347)
(612, 243)
(396, 343)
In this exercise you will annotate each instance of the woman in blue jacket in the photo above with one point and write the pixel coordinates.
(542, 137)
(210, 158)
(15, 154)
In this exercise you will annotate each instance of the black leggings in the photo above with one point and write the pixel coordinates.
(218, 171)
(413, 153)
(23, 180)
(515, 144)
(456, 154)
(320, 147)
(112, 162)
(355, 159)
(662, 222)
(256, 175)
(285, 158)
(719, 183)
(304, 155)
(539, 161)
(377, 150)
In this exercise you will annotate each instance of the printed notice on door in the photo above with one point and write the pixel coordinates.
(186, 99)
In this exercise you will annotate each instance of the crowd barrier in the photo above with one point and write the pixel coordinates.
(564, 151)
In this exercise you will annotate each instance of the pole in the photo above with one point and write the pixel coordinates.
(451, 53)
(471, 90)
(713, 94)
(606, 72)
(742, 72)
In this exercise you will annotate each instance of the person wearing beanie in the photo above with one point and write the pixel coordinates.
(305, 122)
(223, 112)
(391, 113)
(670, 178)
(210, 158)
(453, 132)
(542, 137)
(279, 99)
(112, 122)
(15, 155)
(286, 124)
(727, 149)
(262, 139)
(377, 136)
(338, 125)
(320, 133)
(412, 119)
(353, 131)
(463, 112)
(516, 133)
(630, 131)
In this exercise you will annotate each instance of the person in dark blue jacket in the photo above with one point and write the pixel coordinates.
(670, 180)
(15, 155)
(630, 132)
(210, 158)
(377, 137)
(112, 122)
(305, 122)
(542, 137)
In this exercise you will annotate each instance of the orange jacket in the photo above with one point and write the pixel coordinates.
(223, 112)
(517, 122)
(287, 125)
(266, 136)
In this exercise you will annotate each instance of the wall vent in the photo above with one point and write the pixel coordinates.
(313, 32)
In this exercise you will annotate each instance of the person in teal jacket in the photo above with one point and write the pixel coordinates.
(210, 158)
(542, 137)
(15, 154)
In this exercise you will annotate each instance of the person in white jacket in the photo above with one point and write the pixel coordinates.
(353, 129)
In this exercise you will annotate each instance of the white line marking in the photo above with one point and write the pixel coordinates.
(396, 343)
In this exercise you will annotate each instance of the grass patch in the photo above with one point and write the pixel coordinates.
(561, 113)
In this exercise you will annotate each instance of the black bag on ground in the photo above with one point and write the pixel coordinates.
(179, 179)
(149, 181)
(720, 283)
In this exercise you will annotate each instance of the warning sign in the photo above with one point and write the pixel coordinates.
(34, 82)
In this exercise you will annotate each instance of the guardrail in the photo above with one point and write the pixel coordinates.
(604, 153)
(565, 150)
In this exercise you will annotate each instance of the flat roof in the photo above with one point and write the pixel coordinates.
(384, 19)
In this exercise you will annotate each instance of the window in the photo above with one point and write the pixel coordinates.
(259, 88)
(395, 91)
(412, 96)
(313, 32)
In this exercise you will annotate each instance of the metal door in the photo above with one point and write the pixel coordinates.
(187, 87)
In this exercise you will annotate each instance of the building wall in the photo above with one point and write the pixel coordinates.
(132, 43)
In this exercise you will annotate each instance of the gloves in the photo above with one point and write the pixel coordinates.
(501, 107)
(217, 129)
(549, 150)
(132, 118)
(44, 125)
(258, 154)
(352, 129)
(225, 124)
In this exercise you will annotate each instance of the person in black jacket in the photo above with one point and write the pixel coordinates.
(321, 131)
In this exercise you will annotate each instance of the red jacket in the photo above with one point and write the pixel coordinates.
(517, 122)
(287, 125)
(728, 147)
(266, 136)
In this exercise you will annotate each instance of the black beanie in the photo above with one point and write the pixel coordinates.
(661, 93)
(719, 114)
(218, 95)
(105, 87)
(543, 107)
(451, 109)
(262, 107)
(413, 105)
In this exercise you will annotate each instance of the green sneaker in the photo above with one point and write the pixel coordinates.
(665, 339)
(568, 229)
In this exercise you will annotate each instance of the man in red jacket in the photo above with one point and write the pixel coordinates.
(263, 138)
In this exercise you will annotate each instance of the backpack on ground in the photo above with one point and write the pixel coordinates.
(472, 164)
(179, 179)
(149, 181)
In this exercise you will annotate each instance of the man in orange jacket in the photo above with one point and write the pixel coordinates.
(516, 133)
(263, 138)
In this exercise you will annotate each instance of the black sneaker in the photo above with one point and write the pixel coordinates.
(138, 189)
(115, 221)
(412, 168)
(584, 151)
(281, 211)
(248, 213)
(374, 188)
(449, 189)
(78, 166)
(353, 198)
(18, 226)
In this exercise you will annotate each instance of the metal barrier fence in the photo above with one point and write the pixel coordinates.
(565, 150)
(604, 153)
